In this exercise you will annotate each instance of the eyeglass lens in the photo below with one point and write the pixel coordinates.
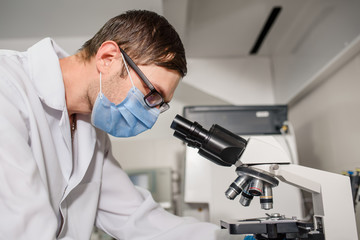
(153, 99)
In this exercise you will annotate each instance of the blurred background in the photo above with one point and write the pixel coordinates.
(309, 60)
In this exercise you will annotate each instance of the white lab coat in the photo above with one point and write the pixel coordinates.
(50, 188)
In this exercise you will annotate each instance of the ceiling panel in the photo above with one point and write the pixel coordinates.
(231, 27)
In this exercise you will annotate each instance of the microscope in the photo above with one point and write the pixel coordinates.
(260, 165)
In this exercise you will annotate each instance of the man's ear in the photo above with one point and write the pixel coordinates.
(106, 55)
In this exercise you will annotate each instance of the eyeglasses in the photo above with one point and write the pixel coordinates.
(153, 98)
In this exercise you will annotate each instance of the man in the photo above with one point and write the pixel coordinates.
(57, 175)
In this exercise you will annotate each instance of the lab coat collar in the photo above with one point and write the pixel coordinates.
(47, 79)
(46, 73)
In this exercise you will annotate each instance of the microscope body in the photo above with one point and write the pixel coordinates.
(331, 193)
(260, 163)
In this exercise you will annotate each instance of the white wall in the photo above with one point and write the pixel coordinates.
(327, 125)
(334, 28)
(43, 18)
(241, 81)
(69, 44)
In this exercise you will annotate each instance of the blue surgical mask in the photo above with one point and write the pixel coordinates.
(129, 118)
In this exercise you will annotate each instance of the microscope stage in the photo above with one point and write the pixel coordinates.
(273, 227)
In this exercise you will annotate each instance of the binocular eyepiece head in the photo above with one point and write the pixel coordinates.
(217, 145)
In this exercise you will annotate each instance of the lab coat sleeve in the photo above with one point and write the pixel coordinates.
(24, 204)
(127, 212)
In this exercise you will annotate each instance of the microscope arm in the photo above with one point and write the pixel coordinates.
(293, 175)
(331, 193)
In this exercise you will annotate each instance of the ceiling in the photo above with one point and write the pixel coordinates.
(209, 28)
(231, 27)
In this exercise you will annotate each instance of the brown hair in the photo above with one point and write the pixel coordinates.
(145, 36)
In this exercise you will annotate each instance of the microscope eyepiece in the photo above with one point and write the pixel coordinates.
(181, 124)
(217, 145)
(191, 133)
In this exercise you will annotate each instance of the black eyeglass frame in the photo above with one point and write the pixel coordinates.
(163, 105)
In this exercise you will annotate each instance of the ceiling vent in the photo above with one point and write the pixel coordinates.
(265, 30)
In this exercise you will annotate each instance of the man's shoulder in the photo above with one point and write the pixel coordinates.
(13, 74)
(6, 52)
(11, 54)
(12, 64)
(12, 60)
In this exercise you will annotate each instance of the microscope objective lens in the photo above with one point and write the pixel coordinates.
(256, 187)
(266, 200)
(246, 198)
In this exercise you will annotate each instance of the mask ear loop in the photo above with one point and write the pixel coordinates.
(127, 69)
(101, 94)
